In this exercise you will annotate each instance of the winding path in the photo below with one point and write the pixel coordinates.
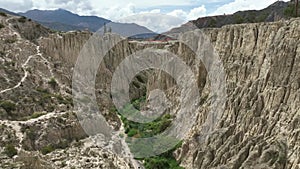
(16, 125)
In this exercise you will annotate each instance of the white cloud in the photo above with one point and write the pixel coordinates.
(178, 13)
(16, 5)
(190, 15)
(116, 12)
(240, 5)
(197, 12)
(156, 22)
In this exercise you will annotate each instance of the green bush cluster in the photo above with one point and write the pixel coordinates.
(8, 106)
(1, 26)
(161, 163)
(31, 134)
(51, 147)
(52, 82)
(290, 10)
(143, 130)
(10, 40)
(22, 19)
(165, 160)
(134, 129)
(46, 97)
(238, 19)
(1, 52)
(10, 150)
(47, 149)
(3, 14)
(37, 115)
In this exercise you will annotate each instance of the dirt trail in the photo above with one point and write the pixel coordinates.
(16, 125)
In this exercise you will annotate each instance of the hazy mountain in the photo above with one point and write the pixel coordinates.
(8, 12)
(67, 18)
(63, 20)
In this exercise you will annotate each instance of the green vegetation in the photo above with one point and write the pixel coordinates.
(212, 23)
(146, 130)
(10, 40)
(165, 160)
(1, 26)
(47, 149)
(37, 115)
(31, 134)
(134, 129)
(251, 18)
(22, 19)
(262, 17)
(2, 53)
(161, 163)
(238, 19)
(3, 14)
(290, 10)
(47, 99)
(52, 82)
(51, 147)
(10, 150)
(8, 106)
(34, 116)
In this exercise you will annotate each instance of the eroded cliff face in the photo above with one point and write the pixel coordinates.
(38, 128)
(260, 125)
(258, 129)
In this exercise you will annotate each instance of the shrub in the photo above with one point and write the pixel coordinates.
(134, 129)
(161, 163)
(2, 53)
(212, 23)
(10, 40)
(3, 14)
(238, 19)
(10, 150)
(8, 106)
(37, 115)
(157, 163)
(22, 19)
(31, 134)
(132, 132)
(61, 145)
(52, 82)
(47, 149)
(1, 26)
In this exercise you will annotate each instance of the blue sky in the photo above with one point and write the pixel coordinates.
(149, 13)
(211, 6)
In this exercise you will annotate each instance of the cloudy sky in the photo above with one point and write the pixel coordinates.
(117, 10)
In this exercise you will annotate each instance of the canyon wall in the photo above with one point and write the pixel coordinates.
(260, 125)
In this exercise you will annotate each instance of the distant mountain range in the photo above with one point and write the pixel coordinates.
(63, 20)
(272, 13)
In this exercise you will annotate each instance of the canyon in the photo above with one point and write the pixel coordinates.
(258, 128)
